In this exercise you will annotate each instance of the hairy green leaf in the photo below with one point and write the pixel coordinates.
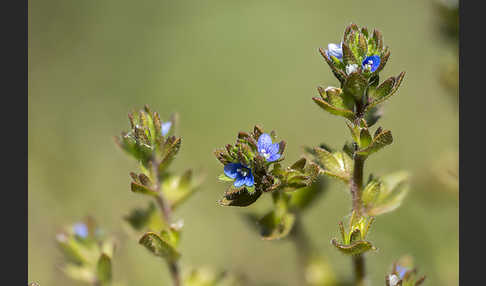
(355, 248)
(379, 141)
(103, 269)
(157, 246)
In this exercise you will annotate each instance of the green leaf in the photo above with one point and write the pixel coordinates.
(364, 138)
(170, 150)
(346, 113)
(355, 248)
(393, 189)
(385, 88)
(141, 189)
(372, 115)
(299, 164)
(339, 74)
(276, 227)
(337, 164)
(371, 192)
(178, 189)
(336, 98)
(384, 59)
(355, 235)
(239, 197)
(80, 273)
(158, 247)
(362, 45)
(134, 147)
(103, 269)
(72, 249)
(377, 39)
(348, 56)
(385, 92)
(355, 85)
(381, 140)
(225, 178)
(171, 236)
(354, 130)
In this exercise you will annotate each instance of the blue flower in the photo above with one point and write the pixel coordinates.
(166, 127)
(401, 271)
(240, 173)
(371, 63)
(80, 229)
(335, 50)
(267, 149)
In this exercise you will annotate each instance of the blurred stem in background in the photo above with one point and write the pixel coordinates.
(303, 246)
(166, 211)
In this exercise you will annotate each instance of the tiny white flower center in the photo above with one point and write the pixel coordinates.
(393, 280)
(264, 153)
(351, 68)
(242, 171)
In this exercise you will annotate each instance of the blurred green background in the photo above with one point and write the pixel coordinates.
(225, 66)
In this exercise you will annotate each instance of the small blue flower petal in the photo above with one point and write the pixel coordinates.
(231, 170)
(80, 229)
(166, 127)
(239, 182)
(267, 149)
(240, 173)
(273, 157)
(335, 50)
(264, 141)
(274, 148)
(249, 180)
(401, 271)
(371, 63)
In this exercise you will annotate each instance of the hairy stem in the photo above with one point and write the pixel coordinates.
(356, 191)
(166, 216)
(359, 270)
(357, 184)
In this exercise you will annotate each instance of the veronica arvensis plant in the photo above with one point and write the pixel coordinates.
(357, 66)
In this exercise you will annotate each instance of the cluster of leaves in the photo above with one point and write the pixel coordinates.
(150, 142)
(362, 57)
(353, 241)
(87, 252)
(404, 274)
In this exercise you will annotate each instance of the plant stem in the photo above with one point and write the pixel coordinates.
(166, 216)
(359, 269)
(356, 190)
(175, 273)
(357, 184)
